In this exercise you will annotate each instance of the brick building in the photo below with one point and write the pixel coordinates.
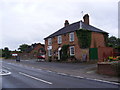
(83, 41)
(33, 51)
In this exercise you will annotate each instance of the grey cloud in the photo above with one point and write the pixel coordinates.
(29, 22)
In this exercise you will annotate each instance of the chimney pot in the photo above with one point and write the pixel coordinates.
(86, 19)
(66, 23)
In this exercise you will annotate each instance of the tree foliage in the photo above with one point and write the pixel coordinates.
(84, 38)
(113, 42)
(23, 47)
(6, 53)
(0, 52)
(64, 52)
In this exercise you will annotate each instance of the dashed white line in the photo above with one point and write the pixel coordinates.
(103, 81)
(49, 71)
(40, 69)
(62, 73)
(79, 77)
(35, 78)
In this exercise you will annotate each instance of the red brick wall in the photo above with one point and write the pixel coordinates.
(65, 40)
(31, 54)
(106, 69)
(36, 49)
(97, 38)
(104, 52)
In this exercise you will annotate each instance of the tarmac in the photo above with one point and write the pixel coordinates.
(85, 70)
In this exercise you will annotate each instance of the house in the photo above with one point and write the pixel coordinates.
(33, 51)
(78, 40)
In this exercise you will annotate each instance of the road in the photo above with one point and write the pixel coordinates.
(29, 77)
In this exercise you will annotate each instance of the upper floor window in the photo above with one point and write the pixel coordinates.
(59, 39)
(49, 41)
(72, 50)
(71, 36)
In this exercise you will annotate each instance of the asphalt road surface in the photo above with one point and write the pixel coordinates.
(29, 77)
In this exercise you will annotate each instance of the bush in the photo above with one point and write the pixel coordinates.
(118, 58)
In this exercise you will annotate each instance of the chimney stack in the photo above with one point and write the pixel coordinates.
(86, 19)
(66, 23)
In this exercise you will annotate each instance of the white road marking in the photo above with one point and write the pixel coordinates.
(103, 81)
(49, 71)
(78, 77)
(35, 78)
(40, 69)
(9, 63)
(6, 67)
(4, 72)
(90, 72)
(62, 73)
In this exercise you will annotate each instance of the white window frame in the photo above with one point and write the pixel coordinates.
(59, 39)
(72, 54)
(71, 36)
(50, 52)
(49, 41)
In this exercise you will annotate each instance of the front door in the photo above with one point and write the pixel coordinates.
(93, 54)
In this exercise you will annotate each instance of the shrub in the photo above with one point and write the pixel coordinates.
(118, 58)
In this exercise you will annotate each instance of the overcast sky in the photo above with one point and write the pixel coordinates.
(30, 21)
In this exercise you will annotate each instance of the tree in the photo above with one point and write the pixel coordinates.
(0, 52)
(23, 47)
(113, 41)
(6, 53)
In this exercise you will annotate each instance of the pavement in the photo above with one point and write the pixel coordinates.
(85, 70)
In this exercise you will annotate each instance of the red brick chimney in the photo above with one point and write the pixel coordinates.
(86, 19)
(66, 23)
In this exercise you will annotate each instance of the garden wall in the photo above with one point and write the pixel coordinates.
(107, 69)
(104, 53)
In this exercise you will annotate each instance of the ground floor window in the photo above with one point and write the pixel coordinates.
(72, 50)
(50, 52)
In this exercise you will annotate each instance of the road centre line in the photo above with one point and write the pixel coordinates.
(35, 78)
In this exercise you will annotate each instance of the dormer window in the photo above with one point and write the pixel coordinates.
(71, 37)
(59, 39)
(49, 41)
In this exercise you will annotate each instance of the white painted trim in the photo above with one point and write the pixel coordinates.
(70, 36)
(70, 51)
(59, 39)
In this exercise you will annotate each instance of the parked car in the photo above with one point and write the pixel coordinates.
(40, 58)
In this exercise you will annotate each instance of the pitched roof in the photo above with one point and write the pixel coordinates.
(75, 26)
